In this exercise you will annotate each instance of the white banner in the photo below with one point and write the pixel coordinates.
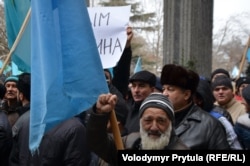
(109, 26)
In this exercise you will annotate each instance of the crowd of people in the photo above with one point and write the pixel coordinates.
(178, 110)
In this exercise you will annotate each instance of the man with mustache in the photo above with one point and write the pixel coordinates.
(10, 103)
(156, 117)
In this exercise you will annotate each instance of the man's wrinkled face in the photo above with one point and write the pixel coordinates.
(140, 90)
(11, 90)
(155, 129)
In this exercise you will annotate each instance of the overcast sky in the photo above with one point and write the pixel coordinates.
(222, 8)
(225, 8)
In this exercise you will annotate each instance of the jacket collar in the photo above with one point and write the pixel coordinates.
(191, 116)
(228, 105)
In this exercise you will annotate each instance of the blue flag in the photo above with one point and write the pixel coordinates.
(66, 71)
(15, 14)
(14, 69)
(138, 65)
(248, 55)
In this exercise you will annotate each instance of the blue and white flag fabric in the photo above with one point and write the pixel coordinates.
(15, 13)
(138, 65)
(66, 71)
(235, 72)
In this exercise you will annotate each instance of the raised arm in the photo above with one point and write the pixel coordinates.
(122, 70)
(98, 139)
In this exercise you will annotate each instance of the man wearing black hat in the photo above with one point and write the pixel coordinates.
(219, 72)
(195, 127)
(156, 132)
(142, 84)
(241, 83)
(224, 95)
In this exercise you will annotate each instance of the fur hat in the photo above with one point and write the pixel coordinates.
(157, 100)
(222, 81)
(246, 94)
(144, 76)
(179, 76)
(220, 70)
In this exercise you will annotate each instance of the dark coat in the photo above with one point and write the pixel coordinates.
(20, 154)
(132, 122)
(64, 145)
(103, 144)
(199, 130)
(5, 139)
(121, 80)
(122, 72)
(205, 92)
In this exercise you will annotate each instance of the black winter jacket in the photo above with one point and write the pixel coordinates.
(5, 139)
(199, 130)
(64, 145)
(20, 154)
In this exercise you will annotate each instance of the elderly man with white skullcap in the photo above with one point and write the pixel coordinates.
(156, 128)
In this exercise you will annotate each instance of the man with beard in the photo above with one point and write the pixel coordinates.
(156, 132)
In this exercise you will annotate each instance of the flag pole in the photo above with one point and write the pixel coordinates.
(20, 33)
(116, 131)
(243, 59)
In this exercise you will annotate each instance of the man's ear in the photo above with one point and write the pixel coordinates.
(187, 94)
